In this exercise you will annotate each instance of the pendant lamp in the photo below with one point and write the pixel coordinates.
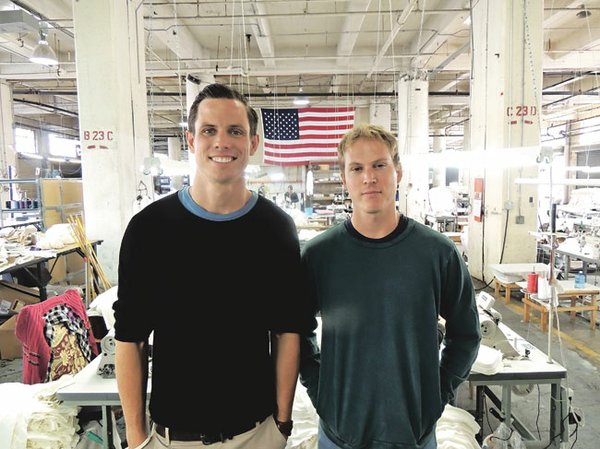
(43, 53)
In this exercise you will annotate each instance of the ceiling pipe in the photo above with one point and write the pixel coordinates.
(46, 107)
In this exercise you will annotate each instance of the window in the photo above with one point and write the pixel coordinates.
(60, 146)
(25, 141)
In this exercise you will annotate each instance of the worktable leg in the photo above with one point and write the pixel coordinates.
(558, 411)
(594, 299)
(544, 320)
(506, 404)
(479, 399)
(496, 288)
(107, 428)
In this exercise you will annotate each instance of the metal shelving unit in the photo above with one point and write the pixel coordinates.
(21, 214)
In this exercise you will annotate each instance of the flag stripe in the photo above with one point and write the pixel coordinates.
(295, 146)
(305, 135)
(304, 154)
(338, 126)
(325, 118)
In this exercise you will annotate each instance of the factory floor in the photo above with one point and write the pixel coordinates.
(576, 347)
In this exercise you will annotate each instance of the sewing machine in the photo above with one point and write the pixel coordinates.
(106, 367)
(491, 334)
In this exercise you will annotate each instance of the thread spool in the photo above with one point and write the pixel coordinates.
(532, 282)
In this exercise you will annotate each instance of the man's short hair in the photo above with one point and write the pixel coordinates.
(217, 90)
(367, 131)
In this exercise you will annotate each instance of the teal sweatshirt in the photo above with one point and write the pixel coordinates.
(379, 380)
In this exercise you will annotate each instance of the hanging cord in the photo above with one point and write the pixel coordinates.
(151, 87)
(182, 109)
(231, 44)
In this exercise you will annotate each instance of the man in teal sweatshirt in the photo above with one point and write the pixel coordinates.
(380, 282)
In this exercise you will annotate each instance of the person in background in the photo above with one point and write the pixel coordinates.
(291, 197)
(380, 280)
(225, 349)
(262, 190)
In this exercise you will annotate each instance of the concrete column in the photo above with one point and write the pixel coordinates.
(380, 114)
(467, 135)
(413, 144)
(8, 155)
(174, 148)
(113, 118)
(439, 146)
(43, 143)
(505, 118)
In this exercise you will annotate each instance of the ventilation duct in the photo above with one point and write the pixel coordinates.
(17, 21)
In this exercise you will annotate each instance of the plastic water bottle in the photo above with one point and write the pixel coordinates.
(580, 280)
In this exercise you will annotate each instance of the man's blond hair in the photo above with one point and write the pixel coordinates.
(367, 131)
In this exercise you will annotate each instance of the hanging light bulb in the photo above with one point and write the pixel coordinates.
(300, 99)
(43, 53)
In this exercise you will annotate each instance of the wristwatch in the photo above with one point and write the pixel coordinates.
(285, 427)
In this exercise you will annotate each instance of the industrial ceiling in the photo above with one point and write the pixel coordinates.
(333, 51)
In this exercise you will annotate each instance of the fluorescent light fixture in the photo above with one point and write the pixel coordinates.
(252, 169)
(301, 101)
(62, 159)
(279, 176)
(496, 158)
(584, 169)
(43, 53)
(561, 181)
(31, 155)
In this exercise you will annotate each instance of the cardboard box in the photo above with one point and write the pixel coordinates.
(13, 292)
(10, 346)
(19, 296)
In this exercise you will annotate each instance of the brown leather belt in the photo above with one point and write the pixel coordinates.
(205, 438)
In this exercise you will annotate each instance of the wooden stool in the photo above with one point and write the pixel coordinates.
(507, 286)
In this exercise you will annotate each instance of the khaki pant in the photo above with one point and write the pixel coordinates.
(264, 436)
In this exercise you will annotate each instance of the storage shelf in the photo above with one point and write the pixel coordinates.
(20, 210)
(30, 215)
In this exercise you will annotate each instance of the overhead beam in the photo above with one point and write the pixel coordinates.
(351, 28)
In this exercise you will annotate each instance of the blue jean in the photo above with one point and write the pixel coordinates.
(326, 443)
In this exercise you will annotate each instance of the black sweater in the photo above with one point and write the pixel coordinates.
(211, 291)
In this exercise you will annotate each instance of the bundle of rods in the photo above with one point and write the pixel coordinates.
(90, 255)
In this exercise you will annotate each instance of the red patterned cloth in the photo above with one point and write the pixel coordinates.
(56, 337)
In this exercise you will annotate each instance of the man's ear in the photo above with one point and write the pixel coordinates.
(399, 173)
(254, 140)
(189, 137)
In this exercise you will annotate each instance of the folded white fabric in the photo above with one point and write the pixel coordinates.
(306, 422)
(489, 361)
(456, 429)
(32, 418)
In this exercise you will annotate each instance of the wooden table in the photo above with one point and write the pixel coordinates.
(570, 299)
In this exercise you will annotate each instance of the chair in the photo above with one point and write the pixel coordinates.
(56, 337)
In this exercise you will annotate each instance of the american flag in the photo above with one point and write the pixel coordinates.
(303, 136)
